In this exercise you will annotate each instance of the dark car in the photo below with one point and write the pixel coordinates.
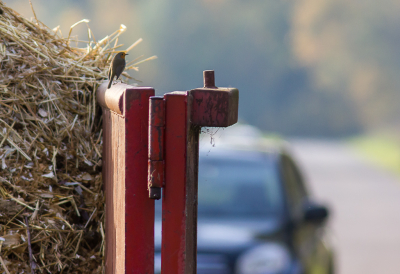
(255, 215)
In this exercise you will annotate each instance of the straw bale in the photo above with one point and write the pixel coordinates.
(51, 199)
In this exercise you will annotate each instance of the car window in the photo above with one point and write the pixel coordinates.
(294, 186)
(238, 187)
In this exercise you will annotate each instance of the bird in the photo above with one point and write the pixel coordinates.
(117, 66)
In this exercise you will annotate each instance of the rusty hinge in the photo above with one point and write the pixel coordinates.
(156, 147)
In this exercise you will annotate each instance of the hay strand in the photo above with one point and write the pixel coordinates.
(31, 262)
(4, 265)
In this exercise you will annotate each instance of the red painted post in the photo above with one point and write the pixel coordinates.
(178, 250)
(185, 114)
(129, 211)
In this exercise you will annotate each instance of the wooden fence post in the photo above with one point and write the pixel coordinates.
(129, 211)
(185, 114)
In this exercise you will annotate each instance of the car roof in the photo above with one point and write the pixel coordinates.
(239, 138)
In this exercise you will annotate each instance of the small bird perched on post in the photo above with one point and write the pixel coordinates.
(117, 66)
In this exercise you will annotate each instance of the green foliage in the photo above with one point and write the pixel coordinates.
(379, 149)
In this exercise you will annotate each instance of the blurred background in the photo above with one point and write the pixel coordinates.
(309, 70)
(323, 67)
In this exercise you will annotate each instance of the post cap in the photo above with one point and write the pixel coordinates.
(212, 106)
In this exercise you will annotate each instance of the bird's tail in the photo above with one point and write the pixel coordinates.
(110, 83)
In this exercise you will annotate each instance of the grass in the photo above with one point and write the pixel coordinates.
(380, 149)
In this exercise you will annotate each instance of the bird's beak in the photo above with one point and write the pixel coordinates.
(126, 54)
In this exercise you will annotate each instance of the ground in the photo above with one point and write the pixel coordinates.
(365, 203)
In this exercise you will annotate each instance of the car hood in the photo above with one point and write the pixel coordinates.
(228, 233)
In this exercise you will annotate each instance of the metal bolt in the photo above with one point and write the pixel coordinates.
(209, 79)
(155, 193)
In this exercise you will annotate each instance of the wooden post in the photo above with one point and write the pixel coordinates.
(185, 114)
(129, 211)
(179, 213)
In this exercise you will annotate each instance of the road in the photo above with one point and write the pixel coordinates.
(365, 204)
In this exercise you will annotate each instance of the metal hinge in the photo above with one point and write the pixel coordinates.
(155, 178)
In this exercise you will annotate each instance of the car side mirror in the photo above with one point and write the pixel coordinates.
(315, 213)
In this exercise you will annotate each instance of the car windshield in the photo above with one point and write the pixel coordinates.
(237, 185)
(240, 184)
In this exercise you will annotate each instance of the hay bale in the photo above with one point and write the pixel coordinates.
(50, 147)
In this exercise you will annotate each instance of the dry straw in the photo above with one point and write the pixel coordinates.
(51, 199)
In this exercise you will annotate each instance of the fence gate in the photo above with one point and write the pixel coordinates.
(134, 172)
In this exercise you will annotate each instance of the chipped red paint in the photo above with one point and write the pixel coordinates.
(212, 106)
(156, 128)
(155, 175)
(156, 147)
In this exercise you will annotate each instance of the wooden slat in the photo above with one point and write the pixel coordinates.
(192, 170)
(179, 223)
(139, 218)
(108, 183)
(119, 191)
(129, 212)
